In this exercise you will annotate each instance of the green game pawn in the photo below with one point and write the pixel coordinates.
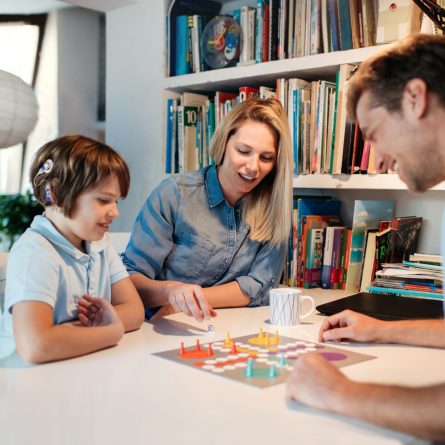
(272, 371)
(282, 361)
(249, 369)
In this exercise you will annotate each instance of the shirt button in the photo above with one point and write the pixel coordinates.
(231, 243)
(226, 261)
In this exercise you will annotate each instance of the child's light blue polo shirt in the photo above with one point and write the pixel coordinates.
(44, 266)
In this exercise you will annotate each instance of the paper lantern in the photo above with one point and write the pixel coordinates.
(18, 110)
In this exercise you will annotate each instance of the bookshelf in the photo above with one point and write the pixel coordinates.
(321, 66)
(317, 66)
(354, 182)
(136, 82)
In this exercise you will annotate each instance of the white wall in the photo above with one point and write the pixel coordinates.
(78, 71)
(135, 98)
(67, 84)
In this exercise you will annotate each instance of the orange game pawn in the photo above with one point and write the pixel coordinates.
(234, 350)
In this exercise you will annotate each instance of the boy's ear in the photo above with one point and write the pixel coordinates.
(48, 195)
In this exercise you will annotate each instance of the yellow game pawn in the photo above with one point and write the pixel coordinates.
(228, 341)
(261, 335)
(267, 340)
(276, 339)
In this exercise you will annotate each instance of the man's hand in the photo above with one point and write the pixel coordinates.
(349, 325)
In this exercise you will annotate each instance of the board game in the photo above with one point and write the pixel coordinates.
(261, 360)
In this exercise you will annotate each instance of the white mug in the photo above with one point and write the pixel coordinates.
(285, 306)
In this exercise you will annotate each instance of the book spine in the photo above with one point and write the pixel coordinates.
(259, 31)
(327, 258)
(182, 58)
(404, 292)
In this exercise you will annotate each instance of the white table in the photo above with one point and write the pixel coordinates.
(125, 395)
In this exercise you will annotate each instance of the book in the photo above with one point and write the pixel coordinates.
(308, 223)
(344, 75)
(314, 258)
(182, 46)
(176, 8)
(248, 92)
(405, 232)
(367, 214)
(344, 18)
(311, 209)
(327, 258)
(337, 242)
(369, 261)
(404, 292)
(170, 135)
(426, 258)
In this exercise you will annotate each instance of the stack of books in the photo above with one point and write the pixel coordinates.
(421, 276)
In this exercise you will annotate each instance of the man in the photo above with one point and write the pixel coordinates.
(398, 99)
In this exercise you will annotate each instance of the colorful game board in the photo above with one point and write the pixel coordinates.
(263, 360)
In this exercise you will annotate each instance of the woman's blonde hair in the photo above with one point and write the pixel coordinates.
(267, 208)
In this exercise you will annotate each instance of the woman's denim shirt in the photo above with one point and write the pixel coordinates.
(186, 231)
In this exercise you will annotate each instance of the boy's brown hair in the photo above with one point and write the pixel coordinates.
(76, 164)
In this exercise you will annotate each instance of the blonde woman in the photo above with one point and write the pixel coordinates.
(217, 237)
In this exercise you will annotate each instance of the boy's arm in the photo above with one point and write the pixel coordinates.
(39, 340)
(128, 304)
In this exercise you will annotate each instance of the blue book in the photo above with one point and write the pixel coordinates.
(404, 292)
(182, 48)
(168, 137)
(344, 18)
(259, 31)
(333, 24)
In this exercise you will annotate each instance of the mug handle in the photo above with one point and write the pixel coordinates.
(309, 312)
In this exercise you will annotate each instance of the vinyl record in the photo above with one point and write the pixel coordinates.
(220, 42)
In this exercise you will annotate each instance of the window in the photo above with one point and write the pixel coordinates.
(21, 38)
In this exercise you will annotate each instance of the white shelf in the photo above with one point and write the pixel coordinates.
(318, 66)
(360, 182)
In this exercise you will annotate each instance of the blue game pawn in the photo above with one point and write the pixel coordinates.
(272, 371)
(282, 361)
(249, 369)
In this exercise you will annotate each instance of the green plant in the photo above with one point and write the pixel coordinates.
(16, 214)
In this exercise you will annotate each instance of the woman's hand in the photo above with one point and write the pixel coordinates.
(190, 299)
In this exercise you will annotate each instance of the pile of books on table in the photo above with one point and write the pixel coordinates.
(421, 276)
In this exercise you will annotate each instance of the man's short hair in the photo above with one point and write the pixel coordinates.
(386, 74)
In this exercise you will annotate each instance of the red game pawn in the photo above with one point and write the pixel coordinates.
(210, 350)
(182, 350)
(234, 350)
(198, 346)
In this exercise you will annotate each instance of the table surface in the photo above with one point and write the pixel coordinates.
(126, 395)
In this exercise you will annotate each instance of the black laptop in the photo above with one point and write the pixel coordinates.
(386, 307)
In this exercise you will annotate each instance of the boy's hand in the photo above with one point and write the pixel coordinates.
(95, 311)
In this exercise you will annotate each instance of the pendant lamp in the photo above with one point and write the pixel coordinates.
(18, 110)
